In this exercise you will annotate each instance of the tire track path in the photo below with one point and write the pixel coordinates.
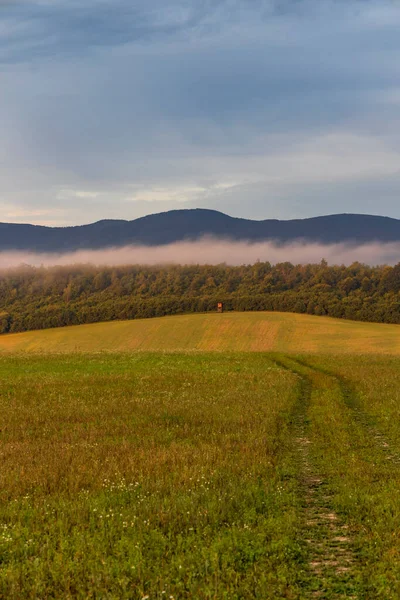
(331, 556)
(351, 400)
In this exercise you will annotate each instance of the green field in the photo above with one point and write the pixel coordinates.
(237, 332)
(235, 475)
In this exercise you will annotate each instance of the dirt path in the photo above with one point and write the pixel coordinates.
(331, 556)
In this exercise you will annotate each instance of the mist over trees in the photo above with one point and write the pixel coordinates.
(38, 298)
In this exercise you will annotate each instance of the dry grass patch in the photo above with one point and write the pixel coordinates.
(237, 332)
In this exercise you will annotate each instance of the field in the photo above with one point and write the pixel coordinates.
(150, 475)
(235, 332)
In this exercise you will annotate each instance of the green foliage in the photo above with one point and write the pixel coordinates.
(40, 298)
(5, 321)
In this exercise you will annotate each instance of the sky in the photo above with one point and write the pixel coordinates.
(114, 109)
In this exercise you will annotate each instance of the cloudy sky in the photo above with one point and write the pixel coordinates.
(257, 108)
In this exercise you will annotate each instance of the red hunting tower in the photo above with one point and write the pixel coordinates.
(220, 307)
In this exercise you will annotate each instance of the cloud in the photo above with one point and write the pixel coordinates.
(114, 109)
(214, 251)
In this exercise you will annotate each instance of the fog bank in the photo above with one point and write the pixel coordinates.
(214, 251)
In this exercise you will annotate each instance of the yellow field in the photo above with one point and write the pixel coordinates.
(256, 332)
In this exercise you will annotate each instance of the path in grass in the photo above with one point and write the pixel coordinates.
(331, 556)
(352, 402)
(350, 398)
(359, 472)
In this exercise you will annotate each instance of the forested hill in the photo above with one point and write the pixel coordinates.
(178, 225)
(38, 298)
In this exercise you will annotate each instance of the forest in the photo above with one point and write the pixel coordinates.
(44, 297)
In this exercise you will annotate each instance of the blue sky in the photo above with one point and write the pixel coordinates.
(261, 109)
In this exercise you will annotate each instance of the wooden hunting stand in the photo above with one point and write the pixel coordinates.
(220, 307)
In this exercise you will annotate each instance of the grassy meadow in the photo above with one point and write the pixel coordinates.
(233, 332)
(150, 475)
(126, 476)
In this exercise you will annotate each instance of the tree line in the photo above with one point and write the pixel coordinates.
(43, 297)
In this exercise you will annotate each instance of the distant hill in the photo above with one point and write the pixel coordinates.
(179, 225)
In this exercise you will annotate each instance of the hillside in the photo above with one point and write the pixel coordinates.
(253, 332)
(178, 225)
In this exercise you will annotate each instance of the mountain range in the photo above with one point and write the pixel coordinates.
(193, 224)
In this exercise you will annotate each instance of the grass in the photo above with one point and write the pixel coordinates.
(146, 475)
(198, 476)
(259, 332)
(358, 464)
(202, 474)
